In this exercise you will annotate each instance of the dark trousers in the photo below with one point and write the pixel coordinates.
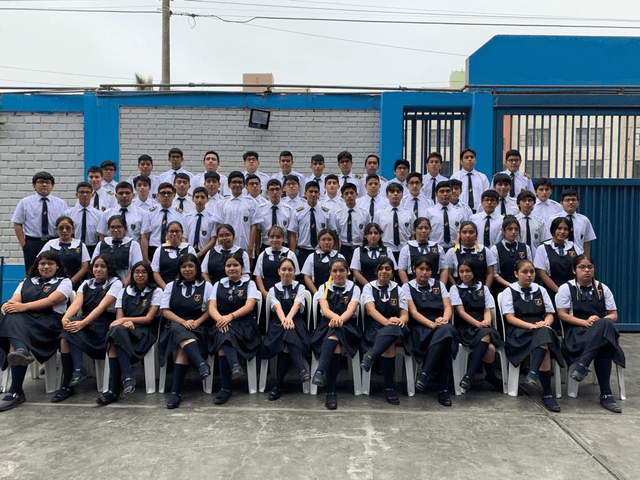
(31, 250)
(347, 253)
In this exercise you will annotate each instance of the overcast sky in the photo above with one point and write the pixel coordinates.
(46, 48)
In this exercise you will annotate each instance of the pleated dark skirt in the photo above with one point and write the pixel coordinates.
(349, 336)
(470, 336)
(173, 334)
(422, 337)
(136, 342)
(373, 329)
(40, 332)
(243, 335)
(92, 339)
(276, 336)
(520, 342)
(580, 340)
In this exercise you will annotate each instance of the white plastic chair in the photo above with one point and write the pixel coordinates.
(461, 361)
(264, 364)
(514, 372)
(354, 365)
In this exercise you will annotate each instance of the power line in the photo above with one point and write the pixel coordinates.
(63, 73)
(75, 10)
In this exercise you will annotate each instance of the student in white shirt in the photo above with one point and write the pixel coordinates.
(519, 181)
(545, 207)
(473, 182)
(433, 176)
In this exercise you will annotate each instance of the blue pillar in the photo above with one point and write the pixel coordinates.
(391, 135)
(481, 132)
(101, 131)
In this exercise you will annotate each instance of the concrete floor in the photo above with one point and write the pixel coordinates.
(484, 435)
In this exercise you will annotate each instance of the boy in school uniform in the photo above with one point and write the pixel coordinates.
(34, 219)
(433, 176)
(473, 182)
(254, 190)
(401, 170)
(445, 219)
(85, 217)
(415, 200)
(183, 202)
(350, 222)
(154, 232)
(211, 162)
(136, 217)
(581, 233)
(108, 173)
(102, 199)
(545, 207)
(212, 186)
(371, 167)
(145, 167)
(456, 190)
(291, 188)
(306, 223)
(176, 158)
(285, 161)
(345, 164)
(519, 181)
(251, 161)
(143, 198)
(374, 200)
(488, 219)
(531, 226)
(274, 212)
(395, 221)
(199, 224)
(331, 198)
(317, 173)
(506, 204)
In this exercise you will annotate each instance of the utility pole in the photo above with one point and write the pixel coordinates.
(166, 44)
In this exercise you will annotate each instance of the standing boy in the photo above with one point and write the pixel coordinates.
(183, 202)
(143, 197)
(274, 212)
(581, 232)
(286, 168)
(506, 204)
(108, 173)
(519, 181)
(445, 219)
(545, 207)
(176, 158)
(488, 220)
(199, 224)
(456, 190)
(473, 182)
(251, 162)
(136, 217)
(401, 170)
(85, 217)
(433, 176)
(345, 164)
(531, 226)
(374, 200)
(145, 169)
(371, 167)
(317, 175)
(350, 222)
(211, 162)
(331, 199)
(102, 199)
(154, 232)
(395, 221)
(415, 200)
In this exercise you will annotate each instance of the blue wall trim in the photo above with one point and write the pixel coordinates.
(11, 102)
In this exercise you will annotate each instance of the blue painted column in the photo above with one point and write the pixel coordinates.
(481, 134)
(391, 135)
(101, 131)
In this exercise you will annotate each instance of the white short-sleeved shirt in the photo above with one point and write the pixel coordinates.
(436, 216)
(563, 297)
(28, 213)
(283, 216)
(207, 227)
(114, 289)
(424, 203)
(454, 294)
(301, 223)
(258, 272)
(548, 209)
(136, 219)
(428, 185)
(495, 225)
(154, 223)
(541, 259)
(170, 175)
(155, 183)
(432, 281)
(166, 295)
(359, 220)
(406, 219)
(242, 214)
(155, 299)
(479, 182)
(404, 261)
(582, 228)
(536, 229)
(65, 287)
(520, 182)
(452, 259)
(464, 210)
(155, 261)
(93, 218)
(54, 244)
(380, 202)
(494, 250)
(348, 286)
(308, 267)
(218, 248)
(507, 299)
(297, 288)
(367, 294)
(252, 289)
(356, 262)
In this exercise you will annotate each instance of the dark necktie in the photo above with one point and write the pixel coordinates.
(561, 249)
(571, 236)
(123, 212)
(349, 226)
(512, 192)
(422, 248)
(96, 201)
(319, 180)
(585, 293)
(527, 294)
(384, 292)
(375, 252)
(83, 230)
(487, 232)
(163, 226)
(425, 291)
(274, 215)
(503, 207)
(138, 295)
(312, 228)
(396, 227)
(528, 235)
(512, 247)
(372, 208)
(44, 219)
(338, 290)
(467, 251)
(415, 206)
(445, 223)
(233, 289)
(189, 288)
(470, 189)
(64, 249)
(287, 291)
(433, 189)
(196, 236)
(345, 179)
(181, 200)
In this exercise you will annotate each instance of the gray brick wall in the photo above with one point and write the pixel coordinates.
(195, 130)
(30, 142)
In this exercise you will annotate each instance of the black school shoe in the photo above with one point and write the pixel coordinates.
(609, 402)
(551, 403)
(20, 357)
(128, 385)
(331, 402)
(444, 398)
(106, 398)
(12, 400)
(174, 400)
(222, 397)
(63, 394)
(392, 396)
(274, 394)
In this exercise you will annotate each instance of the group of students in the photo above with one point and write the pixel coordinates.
(397, 256)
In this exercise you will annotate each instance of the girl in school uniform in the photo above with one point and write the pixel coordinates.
(184, 304)
(235, 332)
(433, 340)
(86, 323)
(316, 267)
(166, 257)
(133, 332)
(385, 324)
(30, 322)
(554, 258)
(124, 250)
(529, 314)
(473, 302)
(589, 311)
(213, 263)
(467, 247)
(365, 258)
(268, 263)
(421, 247)
(336, 329)
(508, 251)
(287, 335)
(72, 252)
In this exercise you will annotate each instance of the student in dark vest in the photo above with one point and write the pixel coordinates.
(124, 251)
(133, 332)
(336, 328)
(268, 263)
(213, 263)
(166, 257)
(554, 258)
(72, 252)
(422, 247)
(30, 322)
(316, 267)
(473, 302)
(467, 247)
(588, 310)
(235, 332)
(507, 252)
(529, 313)
(184, 304)
(287, 335)
(365, 258)
(385, 324)
(433, 340)
(86, 323)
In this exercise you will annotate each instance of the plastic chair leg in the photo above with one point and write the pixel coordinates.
(459, 368)
(514, 379)
(162, 378)
(264, 367)
(366, 382)
(623, 390)
(252, 375)
(52, 374)
(313, 389)
(149, 362)
(357, 374)
(207, 383)
(4, 379)
(411, 376)
(102, 375)
(504, 370)
(557, 376)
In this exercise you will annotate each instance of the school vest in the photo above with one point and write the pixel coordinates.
(71, 258)
(479, 260)
(507, 260)
(388, 309)
(229, 299)
(168, 265)
(31, 292)
(368, 265)
(433, 256)
(473, 301)
(429, 303)
(532, 311)
(187, 308)
(560, 267)
(131, 309)
(583, 309)
(119, 254)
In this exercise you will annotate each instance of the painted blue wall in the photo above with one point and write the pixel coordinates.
(535, 60)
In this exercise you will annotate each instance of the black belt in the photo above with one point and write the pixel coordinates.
(39, 239)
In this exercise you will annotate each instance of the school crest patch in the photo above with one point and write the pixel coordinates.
(571, 253)
(361, 226)
(457, 224)
(46, 289)
(78, 249)
(393, 302)
(145, 302)
(285, 223)
(240, 293)
(481, 256)
(522, 255)
(133, 226)
(536, 236)
(197, 297)
(480, 292)
(537, 302)
(345, 299)
(245, 219)
(436, 290)
(434, 249)
(406, 224)
(323, 225)
(204, 233)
